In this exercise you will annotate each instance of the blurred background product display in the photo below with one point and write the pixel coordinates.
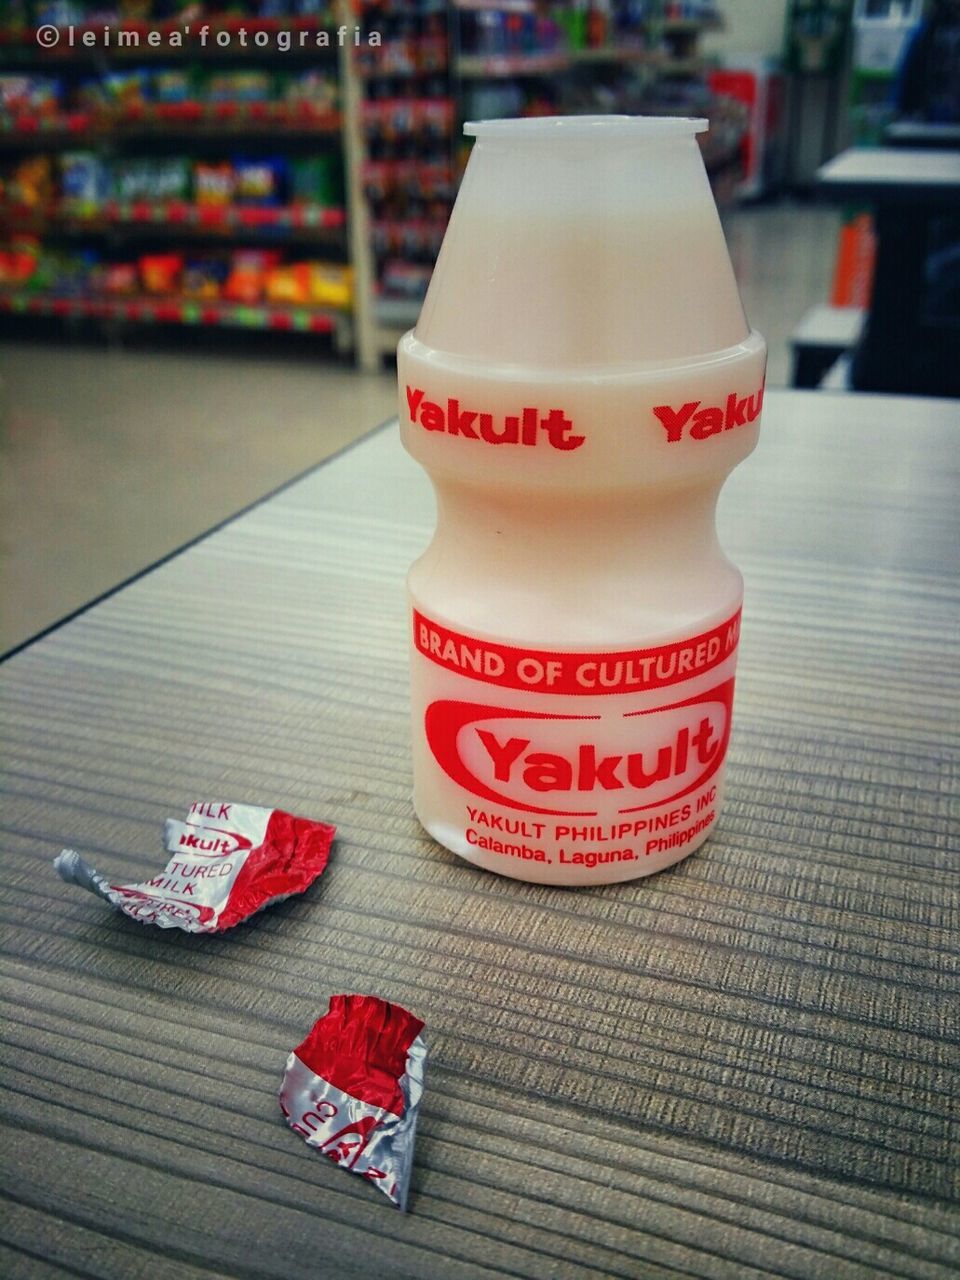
(119, 156)
(307, 187)
(277, 191)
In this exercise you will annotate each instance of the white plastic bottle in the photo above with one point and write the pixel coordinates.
(581, 381)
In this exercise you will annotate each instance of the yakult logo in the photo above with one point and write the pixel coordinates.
(543, 763)
(703, 423)
(530, 426)
(220, 845)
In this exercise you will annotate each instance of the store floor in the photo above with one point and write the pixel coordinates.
(114, 456)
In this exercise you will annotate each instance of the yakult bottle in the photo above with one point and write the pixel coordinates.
(580, 382)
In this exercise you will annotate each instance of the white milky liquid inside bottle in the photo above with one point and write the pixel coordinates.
(580, 383)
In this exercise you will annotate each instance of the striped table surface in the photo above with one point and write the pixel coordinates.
(745, 1066)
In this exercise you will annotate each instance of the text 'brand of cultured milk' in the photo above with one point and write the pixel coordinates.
(581, 381)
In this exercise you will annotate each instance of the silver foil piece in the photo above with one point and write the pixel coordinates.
(365, 1139)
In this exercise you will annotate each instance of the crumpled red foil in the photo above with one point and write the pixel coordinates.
(352, 1089)
(228, 862)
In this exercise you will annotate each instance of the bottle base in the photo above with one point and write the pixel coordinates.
(571, 869)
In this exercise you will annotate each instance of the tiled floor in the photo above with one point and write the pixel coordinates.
(113, 456)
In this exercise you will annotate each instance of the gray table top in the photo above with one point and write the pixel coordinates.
(918, 133)
(745, 1066)
(893, 175)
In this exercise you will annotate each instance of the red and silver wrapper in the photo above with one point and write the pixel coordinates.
(228, 861)
(352, 1090)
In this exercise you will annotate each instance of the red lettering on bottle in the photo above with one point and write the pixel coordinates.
(674, 420)
(738, 411)
(706, 423)
(459, 422)
(582, 674)
(502, 755)
(593, 772)
(413, 401)
(528, 427)
(679, 759)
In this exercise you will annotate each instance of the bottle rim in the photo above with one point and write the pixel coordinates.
(594, 128)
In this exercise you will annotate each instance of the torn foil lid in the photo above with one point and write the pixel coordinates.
(228, 861)
(352, 1089)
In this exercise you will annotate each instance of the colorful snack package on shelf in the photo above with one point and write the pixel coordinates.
(14, 93)
(352, 1089)
(21, 259)
(31, 183)
(204, 278)
(61, 271)
(400, 121)
(91, 94)
(74, 272)
(8, 277)
(131, 179)
(289, 284)
(172, 84)
(97, 277)
(435, 118)
(47, 95)
(317, 180)
(331, 285)
(318, 88)
(120, 278)
(379, 179)
(405, 279)
(169, 178)
(213, 184)
(261, 181)
(573, 24)
(240, 86)
(44, 272)
(247, 277)
(84, 181)
(160, 272)
(125, 89)
(29, 95)
(227, 862)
